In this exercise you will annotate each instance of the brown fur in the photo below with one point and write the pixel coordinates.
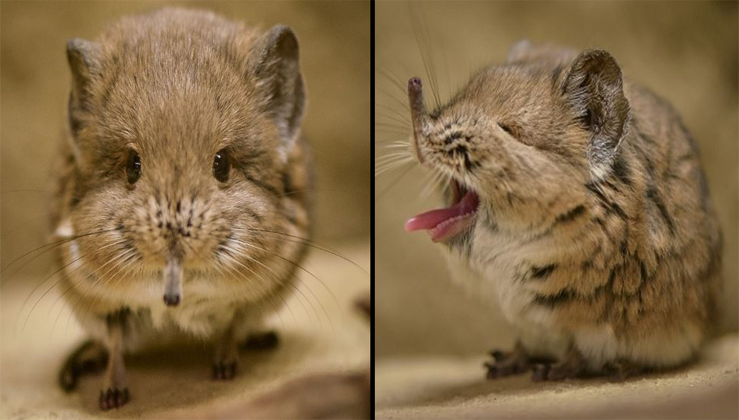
(178, 86)
(592, 198)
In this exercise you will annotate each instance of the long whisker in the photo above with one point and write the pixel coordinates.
(383, 163)
(220, 268)
(404, 117)
(320, 303)
(127, 262)
(301, 190)
(307, 242)
(71, 286)
(394, 130)
(402, 103)
(226, 252)
(49, 247)
(68, 274)
(120, 259)
(403, 152)
(392, 127)
(27, 190)
(239, 252)
(388, 188)
(314, 296)
(277, 277)
(394, 161)
(390, 158)
(430, 181)
(336, 301)
(393, 167)
(394, 118)
(58, 281)
(114, 260)
(438, 179)
(390, 78)
(399, 144)
(25, 301)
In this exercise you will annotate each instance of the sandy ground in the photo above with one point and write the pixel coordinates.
(438, 387)
(174, 382)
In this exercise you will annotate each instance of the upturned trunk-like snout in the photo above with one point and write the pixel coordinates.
(418, 113)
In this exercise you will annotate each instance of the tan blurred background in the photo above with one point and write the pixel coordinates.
(431, 339)
(319, 329)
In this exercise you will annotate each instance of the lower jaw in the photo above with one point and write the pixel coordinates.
(450, 229)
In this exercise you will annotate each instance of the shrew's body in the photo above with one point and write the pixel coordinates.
(181, 184)
(581, 200)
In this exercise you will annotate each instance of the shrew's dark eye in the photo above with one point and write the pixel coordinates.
(133, 167)
(221, 166)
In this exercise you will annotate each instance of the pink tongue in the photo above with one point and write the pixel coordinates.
(433, 218)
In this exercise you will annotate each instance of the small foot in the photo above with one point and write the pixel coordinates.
(621, 370)
(261, 341)
(540, 372)
(224, 371)
(90, 357)
(507, 363)
(572, 366)
(113, 398)
(114, 392)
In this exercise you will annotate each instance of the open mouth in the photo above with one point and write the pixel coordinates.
(444, 224)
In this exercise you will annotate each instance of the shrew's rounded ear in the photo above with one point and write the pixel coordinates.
(594, 89)
(275, 65)
(84, 61)
(519, 50)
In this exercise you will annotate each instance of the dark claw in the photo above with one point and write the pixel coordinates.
(113, 398)
(541, 372)
(496, 370)
(493, 371)
(556, 372)
(621, 372)
(224, 371)
(507, 363)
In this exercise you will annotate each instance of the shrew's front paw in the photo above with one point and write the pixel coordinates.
(90, 357)
(621, 370)
(224, 370)
(508, 363)
(113, 398)
(571, 366)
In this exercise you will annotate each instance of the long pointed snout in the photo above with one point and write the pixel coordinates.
(173, 281)
(418, 113)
